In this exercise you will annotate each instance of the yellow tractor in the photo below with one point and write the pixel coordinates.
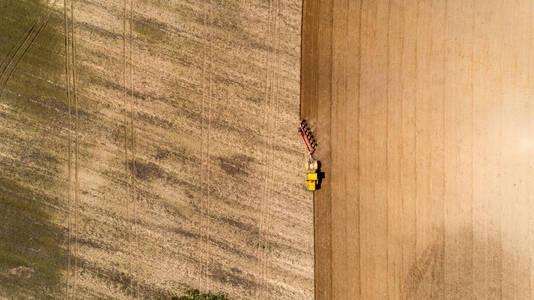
(312, 180)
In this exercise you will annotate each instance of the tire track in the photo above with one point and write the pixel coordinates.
(133, 150)
(19, 54)
(127, 169)
(202, 176)
(268, 86)
(205, 147)
(76, 148)
(15, 50)
(69, 139)
(10, 64)
(201, 225)
(210, 100)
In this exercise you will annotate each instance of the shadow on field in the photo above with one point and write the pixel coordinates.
(31, 256)
(320, 175)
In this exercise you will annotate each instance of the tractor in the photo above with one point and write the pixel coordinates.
(312, 165)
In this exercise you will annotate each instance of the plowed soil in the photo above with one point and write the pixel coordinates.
(423, 113)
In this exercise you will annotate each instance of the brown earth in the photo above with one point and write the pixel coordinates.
(423, 114)
(153, 150)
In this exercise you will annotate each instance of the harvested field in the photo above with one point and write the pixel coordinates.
(149, 147)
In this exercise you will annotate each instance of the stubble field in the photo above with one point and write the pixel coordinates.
(153, 150)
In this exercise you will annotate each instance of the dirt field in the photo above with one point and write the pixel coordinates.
(149, 147)
(423, 113)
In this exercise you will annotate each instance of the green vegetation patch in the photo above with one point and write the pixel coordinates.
(197, 295)
(152, 30)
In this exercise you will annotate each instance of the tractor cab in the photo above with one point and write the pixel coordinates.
(312, 178)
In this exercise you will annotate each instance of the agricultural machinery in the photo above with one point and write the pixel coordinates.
(312, 165)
